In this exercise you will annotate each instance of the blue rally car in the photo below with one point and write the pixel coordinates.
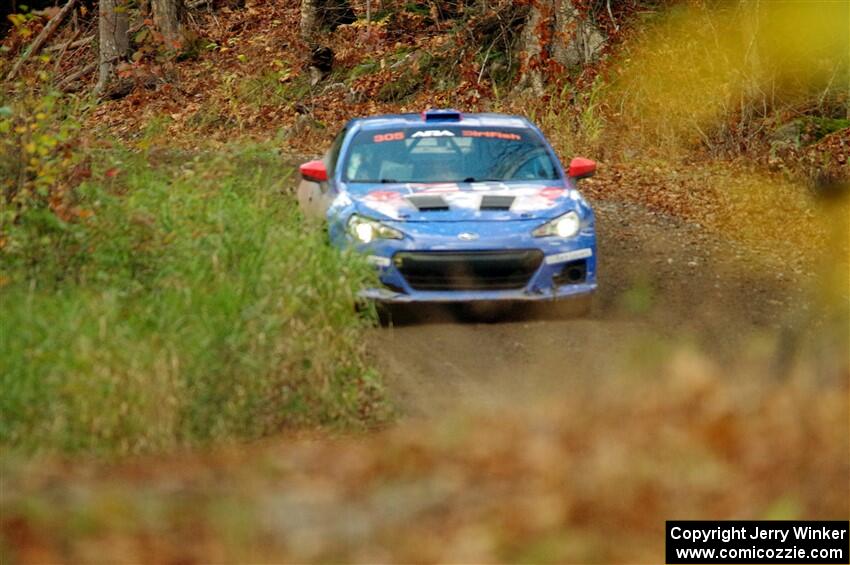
(453, 207)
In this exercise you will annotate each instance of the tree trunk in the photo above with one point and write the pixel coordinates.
(532, 51)
(317, 15)
(113, 25)
(168, 20)
(309, 19)
(577, 41)
(555, 32)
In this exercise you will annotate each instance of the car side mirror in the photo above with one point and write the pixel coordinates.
(581, 168)
(314, 171)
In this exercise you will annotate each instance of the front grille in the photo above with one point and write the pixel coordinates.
(475, 270)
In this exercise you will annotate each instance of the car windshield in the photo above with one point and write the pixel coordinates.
(440, 153)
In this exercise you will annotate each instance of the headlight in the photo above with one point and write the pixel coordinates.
(365, 230)
(564, 226)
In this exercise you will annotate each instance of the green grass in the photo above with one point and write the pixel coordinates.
(192, 306)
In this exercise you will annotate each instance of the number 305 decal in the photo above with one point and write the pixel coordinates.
(394, 136)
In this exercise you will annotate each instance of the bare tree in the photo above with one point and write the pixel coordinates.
(556, 31)
(45, 34)
(533, 50)
(168, 20)
(317, 15)
(309, 19)
(113, 25)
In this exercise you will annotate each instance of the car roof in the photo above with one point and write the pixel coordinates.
(418, 120)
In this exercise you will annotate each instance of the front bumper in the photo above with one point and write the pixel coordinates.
(389, 296)
(548, 281)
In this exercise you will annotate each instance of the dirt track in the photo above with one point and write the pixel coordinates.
(660, 278)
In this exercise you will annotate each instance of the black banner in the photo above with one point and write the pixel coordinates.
(752, 541)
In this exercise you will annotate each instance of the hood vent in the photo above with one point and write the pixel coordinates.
(496, 202)
(428, 203)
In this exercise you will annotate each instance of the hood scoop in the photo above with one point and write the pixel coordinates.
(436, 203)
(486, 201)
(428, 202)
(497, 202)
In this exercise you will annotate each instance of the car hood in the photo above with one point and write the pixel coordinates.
(452, 202)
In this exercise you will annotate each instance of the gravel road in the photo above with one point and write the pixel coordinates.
(662, 280)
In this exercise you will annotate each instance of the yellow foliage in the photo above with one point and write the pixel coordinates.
(703, 64)
(33, 157)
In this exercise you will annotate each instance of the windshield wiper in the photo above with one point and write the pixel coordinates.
(473, 179)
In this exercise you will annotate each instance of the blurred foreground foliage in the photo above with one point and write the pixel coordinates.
(551, 483)
(173, 299)
(717, 74)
